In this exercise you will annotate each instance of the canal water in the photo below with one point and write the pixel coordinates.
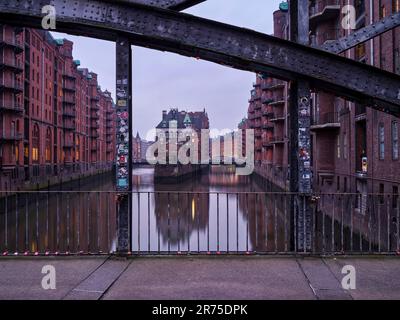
(209, 212)
(215, 211)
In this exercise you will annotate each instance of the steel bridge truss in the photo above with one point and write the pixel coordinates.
(217, 42)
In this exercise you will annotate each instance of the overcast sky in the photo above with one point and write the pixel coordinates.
(163, 80)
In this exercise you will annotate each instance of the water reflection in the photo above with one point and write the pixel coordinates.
(67, 221)
(216, 211)
(209, 213)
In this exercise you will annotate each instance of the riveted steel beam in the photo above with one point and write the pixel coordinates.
(300, 136)
(177, 5)
(214, 41)
(362, 35)
(124, 141)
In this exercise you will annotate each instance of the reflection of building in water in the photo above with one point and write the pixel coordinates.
(265, 214)
(178, 216)
(225, 176)
(72, 221)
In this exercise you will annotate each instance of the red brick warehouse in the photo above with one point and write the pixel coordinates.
(56, 122)
(355, 149)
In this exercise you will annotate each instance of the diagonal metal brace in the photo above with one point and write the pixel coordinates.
(177, 5)
(214, 41)
(362, 35)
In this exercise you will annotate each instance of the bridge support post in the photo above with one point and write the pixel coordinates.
(300, 138)
(124, 143)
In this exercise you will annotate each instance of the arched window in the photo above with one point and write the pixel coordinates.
(48, 145)
(35, 143)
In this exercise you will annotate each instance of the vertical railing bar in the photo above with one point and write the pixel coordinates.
(208, 236)
(398, 224)
(16, 223)
(266, 221)
(138, 226)
(333, 222)
(148, 222)
(218, 222)
(227, 222)
(304, 225)
(379, 224)
(275, 224)
(237, 223)
(158, 228)
(89, 197)
(294, 200)
(57, 223)
(130, 221)
(370, 209)
(47, 222)
(247, 222)
(179, 225)
(342, 226)
(323, 225)
(37, 222)
(6, 223)
(68, 221)
(198, 221)
(313, 237)
(98, 222)
(169, 235)
(285, 222)
(189, 219)
(26, 224)
(255, 220)
(109, 195)
(360, 226)
(388, 223)
(351, 223)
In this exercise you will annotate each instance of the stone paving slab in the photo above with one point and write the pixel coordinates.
(376, 278)
(21, 278)
(323, 282)
(211, 279)
(194, 278)
(97, 283)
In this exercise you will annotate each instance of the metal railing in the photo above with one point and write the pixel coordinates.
(80, 222)
(11, 105)
(262, 223)
(320, 5)
(327, 118)
(53, 223)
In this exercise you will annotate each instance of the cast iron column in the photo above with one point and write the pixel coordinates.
(124, 143)
(300, 137)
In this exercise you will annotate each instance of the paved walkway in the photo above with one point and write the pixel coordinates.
(200, 278)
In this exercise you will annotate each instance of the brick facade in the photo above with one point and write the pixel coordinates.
(355, 149)
(56, 122)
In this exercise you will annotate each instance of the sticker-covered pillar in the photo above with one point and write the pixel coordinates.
(300, 137)
(124, 143)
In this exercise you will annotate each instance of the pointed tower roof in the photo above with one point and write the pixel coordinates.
(187, 119)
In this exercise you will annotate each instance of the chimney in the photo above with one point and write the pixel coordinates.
(164, 114)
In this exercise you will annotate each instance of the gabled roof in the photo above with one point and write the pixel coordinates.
(197, 120)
